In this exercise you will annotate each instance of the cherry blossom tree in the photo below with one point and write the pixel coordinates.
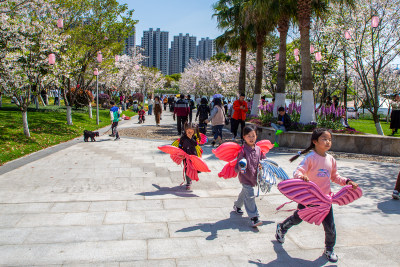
(373, 44)
(27, 38)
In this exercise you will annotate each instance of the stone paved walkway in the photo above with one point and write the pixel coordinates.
(120, 204)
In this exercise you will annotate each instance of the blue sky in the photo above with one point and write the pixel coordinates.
(175, 16)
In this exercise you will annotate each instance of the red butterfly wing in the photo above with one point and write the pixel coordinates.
(198, 164)
(265, 145)
(227, 151)
(346, 195)
(229, 170)
(177, 154)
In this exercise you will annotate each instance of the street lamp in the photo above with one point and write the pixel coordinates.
(96, 73)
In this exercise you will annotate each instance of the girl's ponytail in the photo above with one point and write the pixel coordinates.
(314, 136)
(305, 151)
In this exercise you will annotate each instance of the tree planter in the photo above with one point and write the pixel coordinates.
(350, 143)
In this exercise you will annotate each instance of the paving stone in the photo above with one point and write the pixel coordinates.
(74, 253)
(72, 234)
(145, 231)
(108, 206)
(119, 217)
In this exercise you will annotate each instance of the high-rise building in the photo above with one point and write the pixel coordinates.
(130, 42)
(155, 49)
(183, 48)
(205, 49)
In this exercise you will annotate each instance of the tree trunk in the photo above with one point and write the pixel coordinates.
(280, 94)
(258, 82)
(377, 122)
(90, 111)
(242, 73)
(69, 115)
(25, 123)
(307, 101)
(37, 102)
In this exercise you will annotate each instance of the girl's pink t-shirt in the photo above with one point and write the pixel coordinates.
(321, 170)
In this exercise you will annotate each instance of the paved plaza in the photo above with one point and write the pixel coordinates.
(120, 203)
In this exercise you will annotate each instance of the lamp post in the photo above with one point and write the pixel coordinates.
(96, 73)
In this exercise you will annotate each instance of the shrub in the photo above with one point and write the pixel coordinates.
(83, 98)
(104, 100)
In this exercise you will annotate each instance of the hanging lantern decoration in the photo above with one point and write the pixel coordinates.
(99, 57)
(60, 23)
(312, 49)
(96, 72)
(347, 35)
(251, 67)
(296, 58)
(52, 59)
(116, 58)
(137, 67)
(296, 52)
(375, 21)
(318, 56)
(277, 57)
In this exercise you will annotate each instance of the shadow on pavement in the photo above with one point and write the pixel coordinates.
(390, 206)
(178, 191)
(284, 259)
(234, 222)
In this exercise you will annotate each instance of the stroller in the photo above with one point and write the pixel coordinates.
(141, 115)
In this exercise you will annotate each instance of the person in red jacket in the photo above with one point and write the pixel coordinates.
(239, 116)
(181, 110)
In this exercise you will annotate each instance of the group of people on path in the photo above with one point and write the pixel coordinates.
(318, 167)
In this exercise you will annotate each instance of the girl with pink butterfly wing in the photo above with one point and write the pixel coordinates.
(319, 168)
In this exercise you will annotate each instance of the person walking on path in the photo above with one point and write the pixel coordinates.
(248, 177)
(282, 125)
(165, 102)
(217, 119)
(157, 109)
(238, 116)
(150, 103)
(191, 106)
(203, 111)
(395, 116)
(115, 112)
(320, 168)
(396, 190)
(181, 110)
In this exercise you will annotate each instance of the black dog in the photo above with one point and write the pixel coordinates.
(92, 135)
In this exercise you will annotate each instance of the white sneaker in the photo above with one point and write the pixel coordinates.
(396, 195)
(331, 256)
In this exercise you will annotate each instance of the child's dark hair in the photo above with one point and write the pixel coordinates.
(195, 127)
(314, 136)
(248, 129)
(112, 102)
(204, 101)
(281, 109)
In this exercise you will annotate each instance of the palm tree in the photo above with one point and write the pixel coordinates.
(230, 18)
(304, 11)
(286, 12)
(260, 18)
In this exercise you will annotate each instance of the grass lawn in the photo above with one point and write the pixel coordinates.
(48, 127)
(368, 126)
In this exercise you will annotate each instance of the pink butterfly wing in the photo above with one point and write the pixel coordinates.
(203, 139)
(265, 145)
(347, 195)
(307, 193)
(229, 170)
(227, 151)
